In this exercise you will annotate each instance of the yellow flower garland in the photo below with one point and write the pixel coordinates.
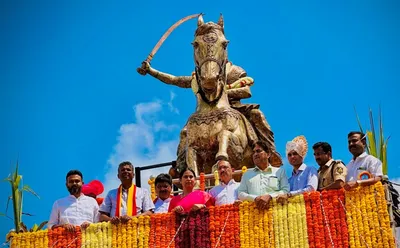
(368, 218)
(256, 226)
(36, 239)
(152, 182)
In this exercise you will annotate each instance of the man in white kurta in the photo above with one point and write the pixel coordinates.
(75, 209)
(227, 191)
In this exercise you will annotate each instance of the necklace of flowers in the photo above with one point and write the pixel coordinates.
(348, 200)
(177, 231)
(222, 231)
(326, 221)
(355, 207)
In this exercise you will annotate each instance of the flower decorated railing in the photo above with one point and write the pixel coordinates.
(337, 218)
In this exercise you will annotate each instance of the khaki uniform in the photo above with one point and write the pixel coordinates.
(333, 170)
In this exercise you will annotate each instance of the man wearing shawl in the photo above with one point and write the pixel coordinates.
(304, 178)
(127, 200)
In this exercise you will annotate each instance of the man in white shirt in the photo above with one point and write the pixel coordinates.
(163, 184)
(264, 181)
(226, 192)
(127, 200)
(361, 162)
(76, 209)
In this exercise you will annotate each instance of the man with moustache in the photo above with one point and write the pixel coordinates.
(127, 200)
(76, 209)
(331, 173)
(163, 185)
(226, 192)
(304, 178)
(361, 162)
(264, 181)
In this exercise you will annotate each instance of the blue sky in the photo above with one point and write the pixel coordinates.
(71, 98)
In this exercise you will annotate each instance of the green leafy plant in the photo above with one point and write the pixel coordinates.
(376, 142)
(17, 189)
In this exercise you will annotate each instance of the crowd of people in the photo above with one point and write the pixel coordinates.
(259, 184)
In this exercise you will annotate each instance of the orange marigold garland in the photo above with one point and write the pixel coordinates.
(162, 230)
(202, 181)
(329, 219)
(212, 226)
(60, 238)
(310, 222)
(318, 227)
(224, 226)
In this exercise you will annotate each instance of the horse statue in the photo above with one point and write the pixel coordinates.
(221, 128)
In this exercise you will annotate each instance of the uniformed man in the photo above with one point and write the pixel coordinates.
(331, 173)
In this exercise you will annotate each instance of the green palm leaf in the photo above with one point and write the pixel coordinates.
(17, 190)
(376, 147)
(26, 188)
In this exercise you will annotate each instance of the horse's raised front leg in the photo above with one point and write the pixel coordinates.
(226, 140)
(191, 160)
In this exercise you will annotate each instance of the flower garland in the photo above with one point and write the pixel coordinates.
(61, 238)
(97, 235)
(335, 218)
(315, 222)
(162, 227)
(152, 182)
(216, 178)
(235, 226)
(202, 181)
(301, 221)
(224, 226)
(213, 226)
(281, 224)
(309, 220)
(384, 220)
(194, 231)
(38, 239)
(368, 217)
(256, 229)
(182, 225)
(290, 223)
(269, 223)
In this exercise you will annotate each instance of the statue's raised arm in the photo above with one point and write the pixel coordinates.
(180, 81)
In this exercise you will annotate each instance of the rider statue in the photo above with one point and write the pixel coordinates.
(237, 88)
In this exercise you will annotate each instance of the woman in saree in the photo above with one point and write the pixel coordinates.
(190, 199)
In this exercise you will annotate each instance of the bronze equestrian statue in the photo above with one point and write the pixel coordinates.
(221, 128)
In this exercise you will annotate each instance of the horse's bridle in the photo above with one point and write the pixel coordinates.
(221, 77)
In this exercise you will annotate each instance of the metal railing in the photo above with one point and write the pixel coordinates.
(208, 177)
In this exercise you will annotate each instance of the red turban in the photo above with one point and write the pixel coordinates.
(94, 187)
